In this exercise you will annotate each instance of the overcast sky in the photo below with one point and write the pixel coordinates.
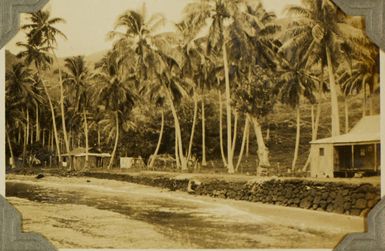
(88, 21)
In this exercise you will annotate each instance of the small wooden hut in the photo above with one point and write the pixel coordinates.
(96, 159)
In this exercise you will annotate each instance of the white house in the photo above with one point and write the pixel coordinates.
(345, 155)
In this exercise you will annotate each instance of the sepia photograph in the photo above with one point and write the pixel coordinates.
(192, 124)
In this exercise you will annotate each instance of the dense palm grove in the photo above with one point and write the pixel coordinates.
(202, 92)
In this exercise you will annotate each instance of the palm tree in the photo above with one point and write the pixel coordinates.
(221, 127)
(256, 97)
(36, 52)
(147, 56)
(170, 89)
(26, 95)
(97, 118)
(191, 58)
(114, 93)
(232, 24)
(363, 75)
(21, 85)
(38, 101)
(159, 140)
(12, 160)
(139, 42)
(42, 32)
(77, 78)
(321, 32)
(259, 36)
(38, 56)
(19, 91)
(159, 99)
(14, 120)
(295, 83)
(220, 13)
(176, 88)
(206, 77)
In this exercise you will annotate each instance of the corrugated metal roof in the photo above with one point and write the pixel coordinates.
(366, 130)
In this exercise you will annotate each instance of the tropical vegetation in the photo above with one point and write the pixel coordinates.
(168, 93)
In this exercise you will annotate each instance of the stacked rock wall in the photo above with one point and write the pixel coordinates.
(334, 197)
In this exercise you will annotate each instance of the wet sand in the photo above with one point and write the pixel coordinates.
(96, 213)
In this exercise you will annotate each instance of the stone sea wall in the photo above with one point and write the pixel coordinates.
(321, 196)
(336, 197)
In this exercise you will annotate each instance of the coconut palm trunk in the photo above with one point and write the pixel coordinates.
(19, 136)
(98, 136)
(159, 142)
(334, 96)
(86, 137)
(248, 142)
(235, 132)
(70, 138)
(178, 135)
(297, 138)
(116, 140)
(43, 139)
(230, 164)
(49, 140)
(37, 123)
(364, 103)
(12, 160)
(177, 160)
(244, 137)
(25, 139)
(221, 129)
(65, 136)
(204, 161)
(53, 119)
(32, 135)
(263, 151)
(193, 126)
(315, 117)
(315, 121)
(28, 129)
(371, 97)
(346, 105)
(316, 124)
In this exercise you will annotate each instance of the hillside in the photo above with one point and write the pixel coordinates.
(91, 59)
(283, 128)
(95, 57)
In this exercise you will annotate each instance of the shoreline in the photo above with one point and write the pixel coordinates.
(342, 196)
(62, 209)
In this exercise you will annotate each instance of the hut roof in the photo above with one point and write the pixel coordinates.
(81, 151)
(366, 130)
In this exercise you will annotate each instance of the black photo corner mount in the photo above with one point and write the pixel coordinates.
(12, 238)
